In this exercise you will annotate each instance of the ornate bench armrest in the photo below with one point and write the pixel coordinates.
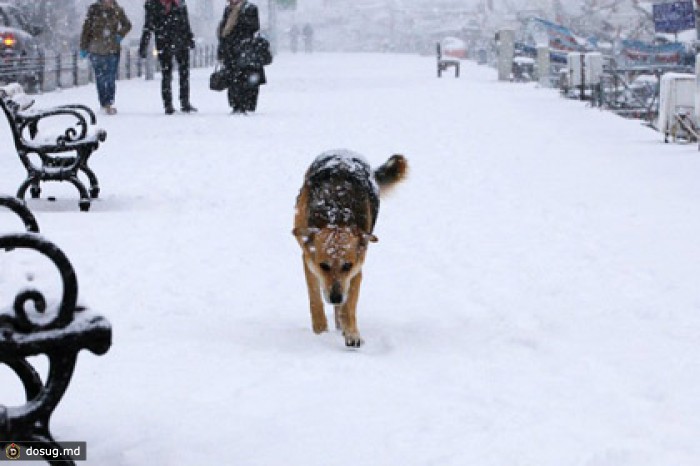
(83, 108)
(86, 331)
(30, 121)
(62, 315)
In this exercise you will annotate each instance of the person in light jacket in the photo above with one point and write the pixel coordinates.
(105, 26)
(169, 21)
(238, 26)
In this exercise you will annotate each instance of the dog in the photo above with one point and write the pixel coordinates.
(336, 211)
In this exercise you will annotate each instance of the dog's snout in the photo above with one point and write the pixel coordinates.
(336, 298)
(336, 295)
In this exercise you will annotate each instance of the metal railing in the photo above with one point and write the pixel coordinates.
(50, 71)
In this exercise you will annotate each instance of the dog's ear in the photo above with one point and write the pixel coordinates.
(366, 238)
(305, 235)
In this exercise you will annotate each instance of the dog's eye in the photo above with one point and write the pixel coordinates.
(325, 266)
(346, 266)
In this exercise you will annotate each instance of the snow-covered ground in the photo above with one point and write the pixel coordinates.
(533, 298)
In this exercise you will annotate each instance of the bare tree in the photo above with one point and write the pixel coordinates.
(642, 11)
(58, 20)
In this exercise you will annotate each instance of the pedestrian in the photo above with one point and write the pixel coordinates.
(294, 38)
(169, 22)
(308, 33)
(236, 30)
(104, 28)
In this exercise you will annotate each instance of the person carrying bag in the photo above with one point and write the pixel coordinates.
(240, 56)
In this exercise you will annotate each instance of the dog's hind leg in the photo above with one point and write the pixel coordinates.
(348, 318)
(318, 316)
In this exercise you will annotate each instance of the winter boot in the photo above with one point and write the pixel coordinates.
(188, 108)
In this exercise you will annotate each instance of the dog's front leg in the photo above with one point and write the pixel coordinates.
(339, 318)
(318, 316)
(348, 318)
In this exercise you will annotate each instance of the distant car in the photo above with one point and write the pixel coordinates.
(454, 47)
(20, 53)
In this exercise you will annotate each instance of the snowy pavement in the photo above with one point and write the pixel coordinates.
(532, 299)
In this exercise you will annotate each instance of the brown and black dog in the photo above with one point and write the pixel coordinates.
(336, 211)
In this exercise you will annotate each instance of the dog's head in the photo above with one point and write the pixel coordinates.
(334, 255)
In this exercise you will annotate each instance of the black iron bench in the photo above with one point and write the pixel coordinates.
(445, 63)
(30, 327)
(59, 156)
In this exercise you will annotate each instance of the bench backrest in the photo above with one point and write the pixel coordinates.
(12, 100)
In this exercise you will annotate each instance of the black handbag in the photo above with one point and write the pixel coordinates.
(262, 47)
(220, 79)
(254, 52)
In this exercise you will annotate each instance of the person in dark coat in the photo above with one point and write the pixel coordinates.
(169, 22)
(238, 27)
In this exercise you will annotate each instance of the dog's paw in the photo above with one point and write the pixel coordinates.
(353, 340)
(320, 328)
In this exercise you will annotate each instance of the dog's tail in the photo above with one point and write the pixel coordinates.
(391, 172)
